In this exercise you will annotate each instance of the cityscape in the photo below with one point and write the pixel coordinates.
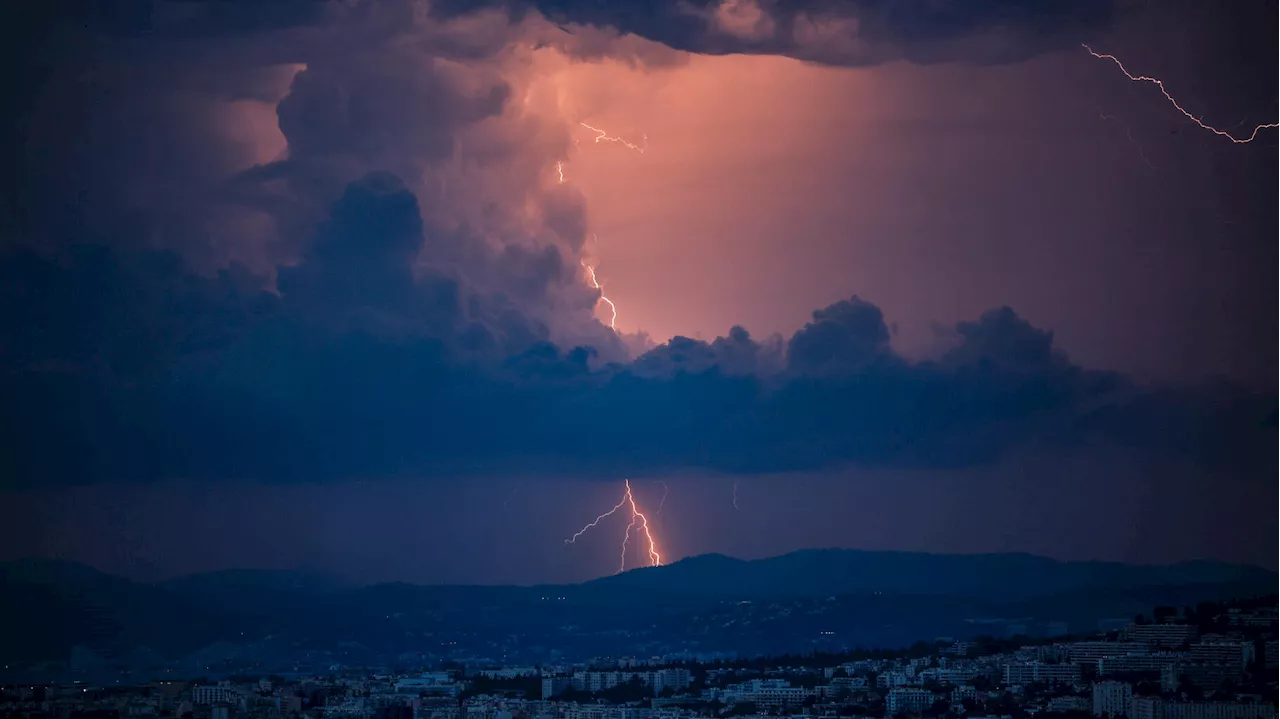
(1217, 660)
(639, 359)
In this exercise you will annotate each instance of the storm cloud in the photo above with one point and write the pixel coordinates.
(384, 278)
(128, 366)
(836, 32)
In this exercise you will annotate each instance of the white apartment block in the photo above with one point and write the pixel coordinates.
(781, 697)
(1112, 699)
(907, 701)
(663, 679)
(658, 680)
(553, 685)
(1232, 654)
(214, 695)
(1070, 704)
(1157, 708)
(1033, 672)
(947, 676)
(889, 680)
(1090, 652)
(1170, 636)
(1157, 662)
(960, 693)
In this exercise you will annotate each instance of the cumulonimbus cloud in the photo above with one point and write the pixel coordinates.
(127, 366)
(400, 292)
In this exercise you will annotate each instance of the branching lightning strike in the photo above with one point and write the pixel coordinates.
(604, 136)
(601, 136)
(639, 522)
(591, 276)
(1160, 84)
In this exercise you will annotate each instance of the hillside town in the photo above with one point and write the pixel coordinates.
(1217, 661)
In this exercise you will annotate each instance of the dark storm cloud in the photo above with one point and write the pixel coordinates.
(125, 365)
(844, 336)
(44, 43)
(120, 364)
(838, 32)
(395, 324)
(149, 132)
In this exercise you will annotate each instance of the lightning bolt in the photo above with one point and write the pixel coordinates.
(626, 539)
(655, 559)
(604, 136)
(662, 503)
(1160, 84)
(597, 520)
(639, 523)
(591, 276)
(735, 494)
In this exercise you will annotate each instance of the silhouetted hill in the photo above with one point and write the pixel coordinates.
(56, 605)
(803, 600)
(248, 580)
(993, 577)
(257, 596)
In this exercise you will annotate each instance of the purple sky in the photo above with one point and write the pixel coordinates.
(367, 389)
(1109, 506)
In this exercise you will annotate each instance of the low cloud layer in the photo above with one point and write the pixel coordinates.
(125, 365)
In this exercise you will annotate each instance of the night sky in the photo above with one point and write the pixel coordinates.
(309, 284)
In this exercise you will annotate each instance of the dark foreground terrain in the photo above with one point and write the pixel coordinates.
(72, 617)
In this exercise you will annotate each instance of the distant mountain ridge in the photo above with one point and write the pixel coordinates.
(684, 604)
(264, 580)
(990, 576)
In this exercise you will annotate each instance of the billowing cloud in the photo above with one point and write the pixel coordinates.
(847, 335)
(127, 366)
(386, 277)
(224, 132)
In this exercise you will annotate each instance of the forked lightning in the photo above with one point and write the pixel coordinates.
(638, 521)
(1160, 84)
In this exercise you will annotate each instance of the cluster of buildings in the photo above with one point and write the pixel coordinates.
(658, 680)
(1165, 670)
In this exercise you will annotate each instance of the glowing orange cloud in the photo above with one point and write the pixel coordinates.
(1160, 84)
(603, 136)
(638, 520)
(710, 113)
